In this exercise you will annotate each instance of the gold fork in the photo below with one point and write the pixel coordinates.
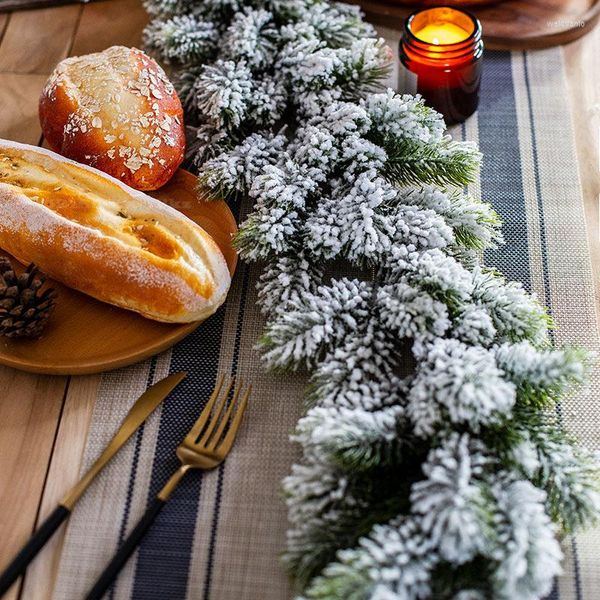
(205, 447)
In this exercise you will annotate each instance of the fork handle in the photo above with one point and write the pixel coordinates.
(32, 547)
(125, 551)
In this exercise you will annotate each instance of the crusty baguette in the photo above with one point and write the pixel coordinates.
(95, 234)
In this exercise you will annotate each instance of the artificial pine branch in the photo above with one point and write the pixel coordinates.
(337, 510)
(182, 39)
(444, 163)
(555, 463)
(431, 465)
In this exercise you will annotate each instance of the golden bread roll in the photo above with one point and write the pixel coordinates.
(117, 111)
(95, 234)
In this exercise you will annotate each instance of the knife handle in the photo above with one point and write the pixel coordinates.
(32, 547)
(125, 551)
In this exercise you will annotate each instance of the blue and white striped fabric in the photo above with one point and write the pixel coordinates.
(530, 174)
(220, 536)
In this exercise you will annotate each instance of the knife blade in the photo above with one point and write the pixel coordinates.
(139, 412)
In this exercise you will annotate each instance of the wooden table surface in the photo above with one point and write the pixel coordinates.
(44, 420)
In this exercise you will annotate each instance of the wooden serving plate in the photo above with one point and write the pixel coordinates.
(85, 335)
(506, 25)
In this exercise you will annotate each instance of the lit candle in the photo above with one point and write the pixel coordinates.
(442, 33)
(442, 48)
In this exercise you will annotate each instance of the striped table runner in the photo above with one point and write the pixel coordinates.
(221, 535)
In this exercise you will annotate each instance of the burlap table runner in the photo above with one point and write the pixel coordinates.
(221, 535)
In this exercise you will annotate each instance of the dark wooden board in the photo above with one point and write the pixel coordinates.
(507, 25)
(11, 5)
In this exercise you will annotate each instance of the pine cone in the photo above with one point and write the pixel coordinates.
(24, 309)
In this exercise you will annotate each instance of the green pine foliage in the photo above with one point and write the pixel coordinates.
(443, 163)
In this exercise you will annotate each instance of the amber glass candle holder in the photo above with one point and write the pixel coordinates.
(442, 48)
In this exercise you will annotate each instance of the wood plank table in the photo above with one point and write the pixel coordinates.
(44, 420)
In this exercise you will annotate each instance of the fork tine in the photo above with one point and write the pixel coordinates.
(217, 415)
(226, 418)
(225, 446)
(195, 431)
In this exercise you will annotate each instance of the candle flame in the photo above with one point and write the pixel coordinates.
(442, 33)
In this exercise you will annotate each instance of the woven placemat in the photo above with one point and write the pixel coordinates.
(221, 535)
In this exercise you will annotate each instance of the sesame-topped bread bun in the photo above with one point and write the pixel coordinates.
(98, 236)
(117, 111)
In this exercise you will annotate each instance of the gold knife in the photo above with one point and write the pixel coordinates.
(139, 412)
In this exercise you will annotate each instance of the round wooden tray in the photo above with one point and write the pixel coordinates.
(506, 25)
(88, 336)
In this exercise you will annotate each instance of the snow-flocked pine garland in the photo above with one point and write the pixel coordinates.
(435, 464)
